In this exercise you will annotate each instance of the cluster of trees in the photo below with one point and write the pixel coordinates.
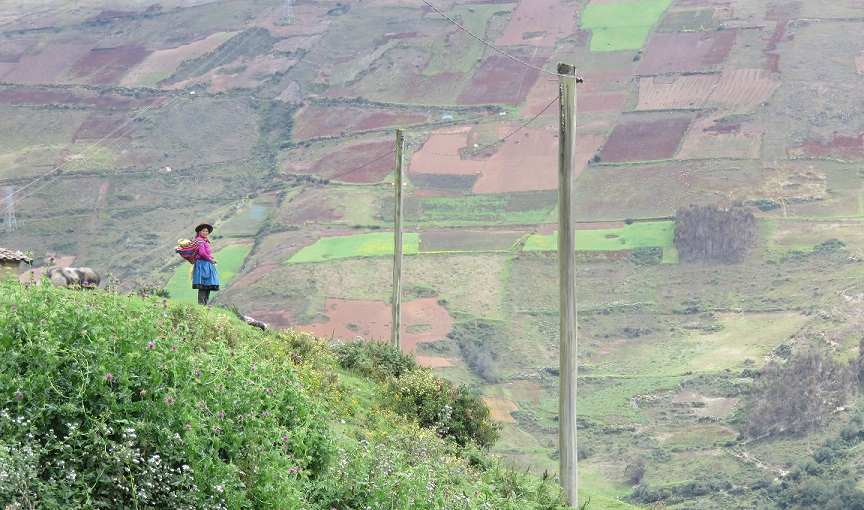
(801, 395)
(708, 233)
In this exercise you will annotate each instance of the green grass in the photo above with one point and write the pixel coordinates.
(622, 26)
(612, 404)
(124, 401)
(230, 261)
(635, 235)
(377, 244)
(486, 210)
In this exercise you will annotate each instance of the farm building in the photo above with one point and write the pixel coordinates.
(12, 259)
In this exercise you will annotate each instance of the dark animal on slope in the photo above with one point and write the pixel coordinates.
(73, 277)
(249, 320)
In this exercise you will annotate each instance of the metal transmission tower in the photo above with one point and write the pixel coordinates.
(10, 221)
(288, 13)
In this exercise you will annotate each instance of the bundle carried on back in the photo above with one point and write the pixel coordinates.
(187, 249)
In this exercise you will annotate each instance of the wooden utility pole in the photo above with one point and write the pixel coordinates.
(396, 323)
(567, 446)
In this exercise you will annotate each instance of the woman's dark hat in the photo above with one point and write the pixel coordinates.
(208, 226)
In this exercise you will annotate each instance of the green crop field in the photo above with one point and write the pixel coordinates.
(622, 26)
(635, 235)
(364, 245)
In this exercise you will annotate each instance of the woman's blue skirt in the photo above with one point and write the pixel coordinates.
(204, 275)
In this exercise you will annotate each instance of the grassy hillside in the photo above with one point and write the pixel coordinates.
(120, 401)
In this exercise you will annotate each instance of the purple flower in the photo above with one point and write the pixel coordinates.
(173, 347)
(270, 390)
(285, 438)
(229, 372)
(188, 426)
(170, 400)
(110, 377)
(200, 404)
(51, 259)
(151, 345)
(221, 415)
(198, 374)
(18, 395)
(291, 471)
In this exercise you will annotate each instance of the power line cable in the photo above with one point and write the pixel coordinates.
(500, 140)
(490, 45)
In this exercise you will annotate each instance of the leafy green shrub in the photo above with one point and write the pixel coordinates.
(451, 410)
(148, 411)
(378, 360)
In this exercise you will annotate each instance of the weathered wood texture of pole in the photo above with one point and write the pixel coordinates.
(567, 280)
(396, 323)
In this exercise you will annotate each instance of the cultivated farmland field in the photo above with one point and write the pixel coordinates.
(123, 126)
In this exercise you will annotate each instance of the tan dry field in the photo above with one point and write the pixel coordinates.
(600, 102)
(557, 19)
(714, 407)
(372, 321)
(675, 92)
(439, 154)
(167, 61)
(744, 88)
(685, 52)
(707, 139)
(500, 409)
(859, 63)
(527, 160)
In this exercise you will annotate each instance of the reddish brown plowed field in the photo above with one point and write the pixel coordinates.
(543, 94)
(47, 65)
(743, 87)
(675, 93)
(13, 49)
(685, 52)
(556, 19)
(73, 98)
(371, 320)
(840, 146)
(645, 138)
(439, 154)
(315, 121)
(366, 162)
(106, 66)
(600, 102)
(502, 80)
(529, 161)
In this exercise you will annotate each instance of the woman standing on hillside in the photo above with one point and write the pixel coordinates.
(204, 276)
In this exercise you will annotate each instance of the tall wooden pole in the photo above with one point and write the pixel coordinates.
(567, 446)
(396, 323)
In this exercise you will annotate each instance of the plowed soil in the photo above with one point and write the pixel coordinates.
(645, 139)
